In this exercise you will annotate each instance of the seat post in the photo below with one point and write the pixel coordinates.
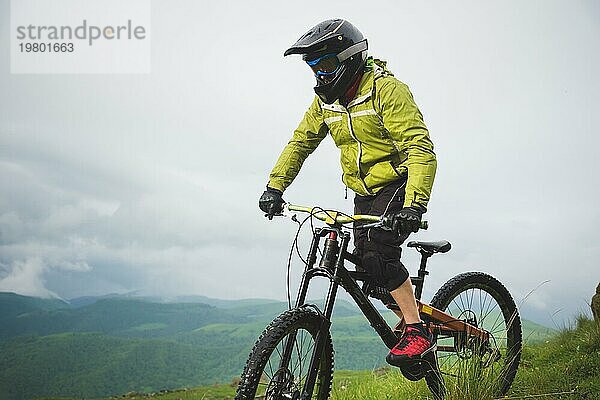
(422, 273)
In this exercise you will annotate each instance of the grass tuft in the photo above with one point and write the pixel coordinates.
(568, 362)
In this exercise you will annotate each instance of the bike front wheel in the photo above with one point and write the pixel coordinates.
(480, 300)
(265, 376)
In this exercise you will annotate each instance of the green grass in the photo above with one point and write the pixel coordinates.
(214, 392)
(384, 383)
(568, 362)
(380, 384)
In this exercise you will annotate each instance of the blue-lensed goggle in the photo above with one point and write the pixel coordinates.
(325, 65)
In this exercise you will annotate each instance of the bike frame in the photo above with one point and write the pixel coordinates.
(332, 266)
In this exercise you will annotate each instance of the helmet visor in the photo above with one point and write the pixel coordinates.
(324, 65)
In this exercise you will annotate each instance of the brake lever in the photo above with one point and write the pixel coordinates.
(380, 224)
(281, 214)
(286, 212)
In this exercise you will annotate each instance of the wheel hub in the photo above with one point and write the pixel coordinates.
(282, 386)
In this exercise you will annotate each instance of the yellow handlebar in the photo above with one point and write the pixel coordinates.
(332, 217)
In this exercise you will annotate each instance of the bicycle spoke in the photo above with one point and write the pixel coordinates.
(304, 355)
(480, 300)
(471, 303)
(268, 375)
(302, 350)
(472, 295)
(460, 297)
(457, 306)
(270, 369)
(484, 304)
(497, 324)
(309, 350)
(278, 352)
(298, 350)
(488, 313)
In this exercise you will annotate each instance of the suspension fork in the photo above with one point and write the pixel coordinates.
(306, 276)
(320, 341)
(311, 259)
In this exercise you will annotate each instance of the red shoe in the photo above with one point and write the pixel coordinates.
(416, 342)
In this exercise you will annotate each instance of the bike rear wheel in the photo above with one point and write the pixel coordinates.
(482, 301)
(264, 377)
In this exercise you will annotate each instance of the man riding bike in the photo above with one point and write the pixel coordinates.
(386, 155)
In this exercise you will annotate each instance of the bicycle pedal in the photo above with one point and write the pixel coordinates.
(414, 370)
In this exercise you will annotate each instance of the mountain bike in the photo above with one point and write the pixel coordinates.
(472, 317)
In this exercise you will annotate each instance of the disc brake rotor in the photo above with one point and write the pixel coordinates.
(282, 386)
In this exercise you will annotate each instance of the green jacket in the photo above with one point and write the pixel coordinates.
(381, 136)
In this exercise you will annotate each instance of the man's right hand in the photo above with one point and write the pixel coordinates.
(406, 221)
(271, 202)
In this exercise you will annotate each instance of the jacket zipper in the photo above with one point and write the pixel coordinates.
(359, 156)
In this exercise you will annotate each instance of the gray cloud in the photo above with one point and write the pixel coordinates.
(150, 182)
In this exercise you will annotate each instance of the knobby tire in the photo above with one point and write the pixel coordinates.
(266, 353)
(453, 296)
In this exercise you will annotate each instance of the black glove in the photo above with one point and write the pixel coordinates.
(406, 221)
(271, 202)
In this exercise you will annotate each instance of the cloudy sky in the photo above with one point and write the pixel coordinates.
(119, 182)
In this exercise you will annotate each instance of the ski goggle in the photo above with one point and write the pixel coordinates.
(325, 65)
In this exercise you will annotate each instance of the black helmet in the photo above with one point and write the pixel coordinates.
(336, 51)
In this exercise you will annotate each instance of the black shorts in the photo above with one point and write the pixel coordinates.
(380, 250)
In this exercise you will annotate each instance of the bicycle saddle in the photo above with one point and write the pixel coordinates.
(443, 246)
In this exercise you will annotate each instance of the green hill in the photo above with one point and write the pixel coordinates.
(115, 345)
(121, 317)
(93, 365)
(536, 333)
(14, 305)
(131, 317)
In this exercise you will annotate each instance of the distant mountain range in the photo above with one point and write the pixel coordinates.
(101, 346)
